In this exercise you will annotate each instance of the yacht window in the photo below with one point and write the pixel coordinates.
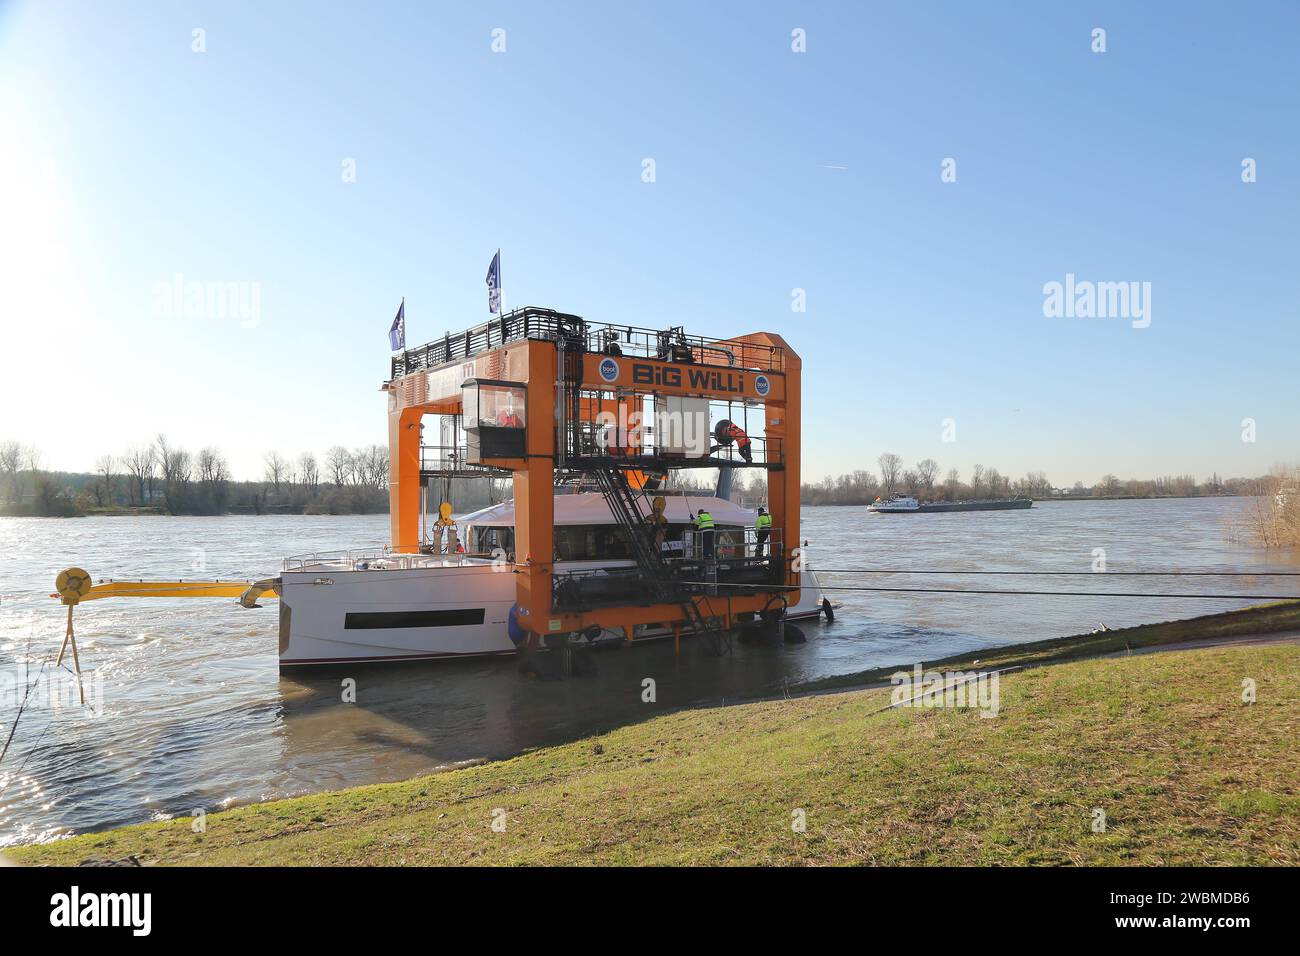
(491, 538)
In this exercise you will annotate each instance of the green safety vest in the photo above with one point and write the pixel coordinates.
(763, 521)
(704, 521)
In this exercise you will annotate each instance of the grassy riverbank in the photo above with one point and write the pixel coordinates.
(1258, 619)
(1185, 772)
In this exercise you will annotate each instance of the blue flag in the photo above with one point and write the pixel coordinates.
(397, 334)
(494, 284)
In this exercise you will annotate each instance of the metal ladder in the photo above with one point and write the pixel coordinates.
(622, 503)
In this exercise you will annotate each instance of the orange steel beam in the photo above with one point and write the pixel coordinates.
(615, 618)
(404, 475)
(653, 377)
(431, 392)
(534, 484)
(782, 421)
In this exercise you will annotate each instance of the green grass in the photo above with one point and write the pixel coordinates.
(1185, 771)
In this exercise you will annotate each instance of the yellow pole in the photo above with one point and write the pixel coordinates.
(72, 585)
(70, 638)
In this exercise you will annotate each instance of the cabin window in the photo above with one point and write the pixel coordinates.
(589, 543)
(488, 540)
(601, 541)
(494, 405)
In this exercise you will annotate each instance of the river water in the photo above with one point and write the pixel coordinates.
(189, 712)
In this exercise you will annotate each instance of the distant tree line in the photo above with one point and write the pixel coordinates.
(923, 481)
(162, 476)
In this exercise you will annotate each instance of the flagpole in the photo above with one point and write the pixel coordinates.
(501, 286)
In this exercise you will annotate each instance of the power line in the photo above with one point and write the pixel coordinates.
(1133, 594)
(1149, 574)
(1102, 594)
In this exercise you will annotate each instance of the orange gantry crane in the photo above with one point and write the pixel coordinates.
(549, 397)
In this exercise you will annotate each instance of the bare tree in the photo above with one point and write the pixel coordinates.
(139, 463)
(105, 484)
(276, 469)
(926, 469)
(11, 458)
(160, 449)
(1035, 485)
(309, 471)
(33, 457)
(370, 466)
(890, 465)
(176, 466)
(214, 476)
(47, 493)
(339, 461)
(378, 466)
(42, 486)
(977, 481)
(360, 467)
(952, 484)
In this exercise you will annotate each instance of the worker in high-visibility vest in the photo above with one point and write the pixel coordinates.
(737, 434)
(762, 530)
(703, 522)
(726, 432)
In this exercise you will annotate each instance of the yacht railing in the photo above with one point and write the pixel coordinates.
(378, 559)
(729, 544)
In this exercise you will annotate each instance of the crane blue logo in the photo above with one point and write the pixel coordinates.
(609, 369)
(762, 385)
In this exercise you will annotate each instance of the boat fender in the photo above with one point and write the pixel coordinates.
(517, 634)
(828, 610)
(583, 662)
(764, 632)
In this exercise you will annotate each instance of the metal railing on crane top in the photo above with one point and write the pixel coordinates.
(578, 334)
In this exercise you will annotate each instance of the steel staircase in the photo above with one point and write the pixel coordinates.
(620, 497)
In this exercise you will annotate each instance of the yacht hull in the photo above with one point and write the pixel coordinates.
(332, 616)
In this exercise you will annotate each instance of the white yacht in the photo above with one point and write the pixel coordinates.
(896, 502)
(354, 607)
(901, 504)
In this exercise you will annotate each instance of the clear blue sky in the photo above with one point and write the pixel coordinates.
(126, 158)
